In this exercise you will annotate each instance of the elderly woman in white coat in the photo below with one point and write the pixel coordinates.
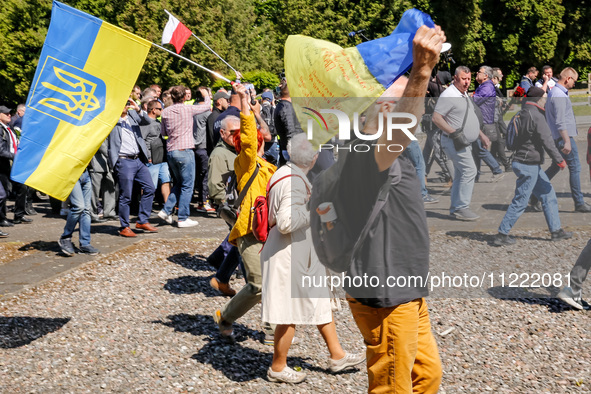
(287, 256)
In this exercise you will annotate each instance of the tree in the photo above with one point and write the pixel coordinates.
(22, 34)
(250, 34)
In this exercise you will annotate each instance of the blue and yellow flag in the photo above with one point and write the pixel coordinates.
(322, 74)
(85, 73)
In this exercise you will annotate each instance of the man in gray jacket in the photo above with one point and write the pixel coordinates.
(103, 184)
(533, 138)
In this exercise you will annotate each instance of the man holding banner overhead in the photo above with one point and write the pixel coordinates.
(402, 354)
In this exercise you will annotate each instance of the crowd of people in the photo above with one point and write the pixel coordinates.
(222, 150)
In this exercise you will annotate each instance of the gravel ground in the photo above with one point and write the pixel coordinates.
(140, 320)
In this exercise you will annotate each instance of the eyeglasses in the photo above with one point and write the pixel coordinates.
(234, 131)
(158, 108)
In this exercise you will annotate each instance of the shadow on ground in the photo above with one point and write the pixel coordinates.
(488, 238)
(229, 356)
(541, 296)
(20, 331)
(42, 246)
(191, 285)
(192, 262)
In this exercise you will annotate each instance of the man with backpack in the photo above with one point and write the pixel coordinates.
(402, 354)
(221, 166)
(529, 135)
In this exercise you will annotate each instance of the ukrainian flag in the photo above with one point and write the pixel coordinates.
(323, 75)
(85, 73)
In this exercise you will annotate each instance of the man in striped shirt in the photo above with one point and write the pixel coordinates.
(177, 125)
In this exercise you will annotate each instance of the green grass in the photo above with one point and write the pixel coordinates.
(579, 110)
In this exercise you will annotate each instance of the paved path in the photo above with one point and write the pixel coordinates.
(490, 201)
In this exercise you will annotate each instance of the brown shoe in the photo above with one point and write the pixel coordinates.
(146, 227)
(224, 288)
(127, 232)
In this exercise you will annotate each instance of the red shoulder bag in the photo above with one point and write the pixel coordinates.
(260, 210)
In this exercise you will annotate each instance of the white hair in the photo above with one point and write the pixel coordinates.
(300, 150)
(229, 119)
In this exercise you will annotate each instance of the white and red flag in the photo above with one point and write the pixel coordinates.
(175, 33)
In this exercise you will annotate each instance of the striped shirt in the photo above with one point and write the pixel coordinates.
(177, 124)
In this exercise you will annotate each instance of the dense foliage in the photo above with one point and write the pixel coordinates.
(249, 34)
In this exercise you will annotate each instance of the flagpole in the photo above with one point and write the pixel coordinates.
(207, 46)
(193, 63)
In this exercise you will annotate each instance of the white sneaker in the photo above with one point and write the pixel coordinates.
(288, 375)
(568, 295)
(350, 360)
(164, 216)
(205, 208)
(187, 223)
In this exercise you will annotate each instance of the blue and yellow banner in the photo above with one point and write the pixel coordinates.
(85, 73)
(321, 74)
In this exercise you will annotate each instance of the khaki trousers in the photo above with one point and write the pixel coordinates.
(249, 295)
(402, 355)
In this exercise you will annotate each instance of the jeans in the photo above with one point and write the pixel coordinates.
(574, 169)
(402, 354)
(159, 172)
(80, 200)
(464, 174)
(531, 179)
(413, 152)
(579, 272)
(129, 171)
(182, 165)
(480, 153)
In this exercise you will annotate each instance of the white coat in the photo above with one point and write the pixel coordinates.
(293, 289)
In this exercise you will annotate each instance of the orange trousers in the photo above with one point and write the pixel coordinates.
(402, 355)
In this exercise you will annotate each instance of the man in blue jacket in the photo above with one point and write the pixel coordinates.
(485, 98)
(127, 157)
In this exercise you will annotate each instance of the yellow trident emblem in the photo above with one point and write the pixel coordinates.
(81, 98)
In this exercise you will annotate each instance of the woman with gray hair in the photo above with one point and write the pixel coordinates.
(293, 292)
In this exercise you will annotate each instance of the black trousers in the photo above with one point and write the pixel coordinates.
(4, 180)
(19, 190)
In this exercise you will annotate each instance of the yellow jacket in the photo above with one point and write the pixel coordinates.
(244, 167)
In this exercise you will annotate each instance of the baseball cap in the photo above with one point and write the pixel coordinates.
(220, 95)
(4, 109)
(267, 96)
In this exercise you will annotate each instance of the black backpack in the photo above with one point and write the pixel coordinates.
(267, 115)
(514, 132)
(229, 209)
(333, 241)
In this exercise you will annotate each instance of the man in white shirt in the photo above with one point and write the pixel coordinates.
(454, 113)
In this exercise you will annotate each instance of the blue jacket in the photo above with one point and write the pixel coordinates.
(115, 139)
(485, 99)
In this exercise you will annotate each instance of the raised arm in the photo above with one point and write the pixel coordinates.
(426, 48)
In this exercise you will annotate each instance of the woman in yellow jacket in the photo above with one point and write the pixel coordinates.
(249, 146)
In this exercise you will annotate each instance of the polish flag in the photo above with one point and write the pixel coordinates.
(175, 33)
